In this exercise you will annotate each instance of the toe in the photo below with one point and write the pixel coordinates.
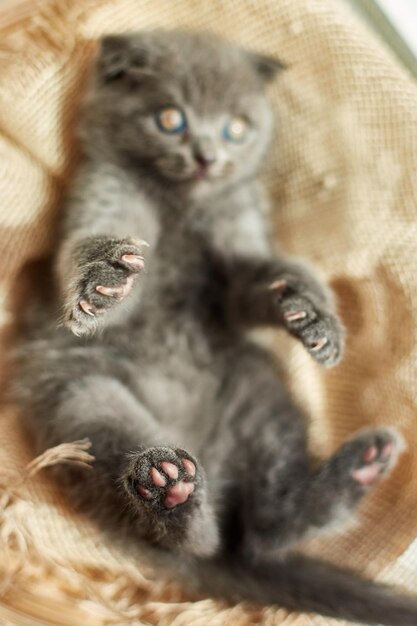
(189, 467)
(145, 493)
(157, 478)
(370, 454)
(387, 451)
(170, 469)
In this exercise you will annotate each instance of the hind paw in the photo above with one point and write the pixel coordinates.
(377, 453)
(163, 478)
(363, 460)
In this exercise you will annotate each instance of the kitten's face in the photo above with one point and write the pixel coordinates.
(188, 109)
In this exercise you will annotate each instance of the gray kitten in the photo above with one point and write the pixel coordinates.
(199, 449)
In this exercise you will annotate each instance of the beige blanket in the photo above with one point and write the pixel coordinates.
(343, 180)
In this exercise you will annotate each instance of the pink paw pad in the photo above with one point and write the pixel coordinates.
(170, 469)
(164, 484)
(157, 478)
(367, 475)
(145, 493)
(189, 467)
(376, 460)
(178, 494)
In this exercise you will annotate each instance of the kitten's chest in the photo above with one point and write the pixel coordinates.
(184, 280)
(177, 334)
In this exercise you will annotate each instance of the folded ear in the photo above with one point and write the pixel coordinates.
(114, 56)
(119, 56)
(267, 67)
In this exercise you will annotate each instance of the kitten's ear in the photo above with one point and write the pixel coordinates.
(120, 56)
(114, 57)
(267, 67)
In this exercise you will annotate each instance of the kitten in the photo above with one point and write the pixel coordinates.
(199, 449)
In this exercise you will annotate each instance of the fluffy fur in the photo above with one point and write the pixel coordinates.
(199, 449)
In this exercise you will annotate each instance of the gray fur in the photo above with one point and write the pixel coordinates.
(168, 374)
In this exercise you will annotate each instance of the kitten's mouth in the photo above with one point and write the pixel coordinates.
(202, 172)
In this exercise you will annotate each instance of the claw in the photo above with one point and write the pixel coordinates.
(291, 316)
(334, 354)
(139, 242)
(120, 292)
(135, 260)
(109, 291)
(279, 285)
(315, 346)
(87, 308)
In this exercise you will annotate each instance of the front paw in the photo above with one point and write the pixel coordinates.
(106, 269)
(314, 324)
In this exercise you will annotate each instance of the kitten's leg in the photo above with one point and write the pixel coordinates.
(338, 485)
(295, 507)
(286, 293)
(96, 274)
(269, 459)
(284, 498)
(167, 485)
(137, 484)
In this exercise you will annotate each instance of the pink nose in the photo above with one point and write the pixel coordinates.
(205, 160)
(204, 151)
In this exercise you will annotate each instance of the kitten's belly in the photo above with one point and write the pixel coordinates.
(177, 382)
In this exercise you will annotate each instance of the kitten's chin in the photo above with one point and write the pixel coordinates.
(206, 188)
(183, 183)
(194, 186)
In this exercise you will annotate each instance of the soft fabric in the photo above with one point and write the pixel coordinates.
(343, 180)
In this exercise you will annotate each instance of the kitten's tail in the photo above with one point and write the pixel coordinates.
(304, 584)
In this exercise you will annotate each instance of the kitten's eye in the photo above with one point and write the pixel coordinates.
(236, 129)
(171, 120)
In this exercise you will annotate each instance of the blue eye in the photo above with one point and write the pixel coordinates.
(171, 120)
(236, 129)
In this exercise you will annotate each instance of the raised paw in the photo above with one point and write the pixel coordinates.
(354, 470)
(374, 454)
(163, 478)
(106, 269)
(361, 462)
(310, 321)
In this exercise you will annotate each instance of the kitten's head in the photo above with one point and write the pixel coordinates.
(189, 109)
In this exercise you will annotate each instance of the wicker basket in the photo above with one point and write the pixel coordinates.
(343, 178)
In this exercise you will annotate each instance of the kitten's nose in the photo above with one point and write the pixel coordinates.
(204, 151)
